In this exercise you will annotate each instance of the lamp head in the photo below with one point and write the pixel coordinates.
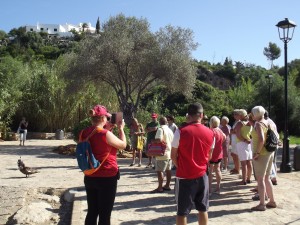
(286, 29)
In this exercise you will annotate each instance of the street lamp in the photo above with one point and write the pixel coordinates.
(269, 77)
(286, 30)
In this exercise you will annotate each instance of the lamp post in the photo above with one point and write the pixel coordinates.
(286, 30)
(269, 77)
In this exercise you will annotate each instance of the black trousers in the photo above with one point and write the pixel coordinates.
(101, 192)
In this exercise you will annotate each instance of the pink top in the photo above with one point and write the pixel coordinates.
(218, 150)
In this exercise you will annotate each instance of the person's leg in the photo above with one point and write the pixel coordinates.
(133, 156)
(210, 177)
(249, 170)
(269, 188)
(244, 171)
(106, 199)
(168, 176)
(160, 177)
(236, 162)
(92, 202)
(202, 218)
(21, 138)
(261, 189)
(181, 220)
(268, 182)
(92, 211)
(225, 163)
(140, 157)
(24, 136)
(150, 161)
(218, 175)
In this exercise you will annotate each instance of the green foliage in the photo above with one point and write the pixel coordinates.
(226, 70)
(214, 101)
(12, 76)
(3, 35)
(79, 127)
(241, 97)
(294, 140)
(277, 102)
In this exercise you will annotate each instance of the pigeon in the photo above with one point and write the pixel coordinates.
(26, 170)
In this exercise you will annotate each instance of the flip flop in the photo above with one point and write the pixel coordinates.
(156, 191)
(166, 189)
(259, 208)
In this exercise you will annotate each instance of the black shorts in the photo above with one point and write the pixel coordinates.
(190, 192)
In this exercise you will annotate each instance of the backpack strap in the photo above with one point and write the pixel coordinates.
(86, 139)
(90, 135)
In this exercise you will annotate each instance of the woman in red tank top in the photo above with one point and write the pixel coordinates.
(101, 186)
(217, 154)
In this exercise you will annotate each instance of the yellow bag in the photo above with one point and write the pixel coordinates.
(140, 143)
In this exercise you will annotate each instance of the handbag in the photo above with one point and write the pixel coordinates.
(157, 148)
(140, 143)
(20, 130)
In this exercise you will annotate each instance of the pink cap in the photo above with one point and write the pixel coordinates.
(154, 115)
(100, 110)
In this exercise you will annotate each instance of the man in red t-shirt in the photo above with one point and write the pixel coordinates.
(191, 148)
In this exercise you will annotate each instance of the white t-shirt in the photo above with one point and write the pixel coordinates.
(273, 126)
(173, 127)
(167, 136)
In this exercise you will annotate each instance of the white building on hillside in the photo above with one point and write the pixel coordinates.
(60, 30)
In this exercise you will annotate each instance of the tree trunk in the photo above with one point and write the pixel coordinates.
(128, 111)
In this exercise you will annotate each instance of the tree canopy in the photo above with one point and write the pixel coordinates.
(131, 59)
(272, 52)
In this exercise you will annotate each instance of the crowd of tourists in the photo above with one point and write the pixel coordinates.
(199, 150)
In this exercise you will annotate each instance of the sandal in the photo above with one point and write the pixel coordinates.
(254, 190)
(271, 205)
(259, 208)
(166, 189)
(156, 191)
(234, 171)
(274, 181)
(242, 183)
(256, 197)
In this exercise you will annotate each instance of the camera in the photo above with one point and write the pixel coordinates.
(116, 118)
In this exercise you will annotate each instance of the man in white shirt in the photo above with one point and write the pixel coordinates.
(163, 164)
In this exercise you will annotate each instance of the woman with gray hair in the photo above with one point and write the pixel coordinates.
(262, 160)
(217, 154)
(243, 132)
(226, 130)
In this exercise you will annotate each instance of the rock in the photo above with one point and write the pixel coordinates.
(69, 195)
(35, 213)
(49, 198)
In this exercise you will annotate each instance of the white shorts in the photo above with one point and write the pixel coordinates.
(244, 151)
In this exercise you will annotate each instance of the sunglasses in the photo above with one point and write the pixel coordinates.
(108, 118)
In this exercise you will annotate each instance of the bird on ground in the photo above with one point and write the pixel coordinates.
(25, 170)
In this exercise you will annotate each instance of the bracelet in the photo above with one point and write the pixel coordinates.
(257, 153)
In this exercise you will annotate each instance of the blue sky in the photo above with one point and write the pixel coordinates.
(239, 29)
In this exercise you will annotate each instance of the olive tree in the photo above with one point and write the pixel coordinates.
(131, 59)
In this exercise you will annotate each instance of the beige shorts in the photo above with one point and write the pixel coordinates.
(263, 164)
(163, 165)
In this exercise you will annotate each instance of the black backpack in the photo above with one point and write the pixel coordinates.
(271, 140)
